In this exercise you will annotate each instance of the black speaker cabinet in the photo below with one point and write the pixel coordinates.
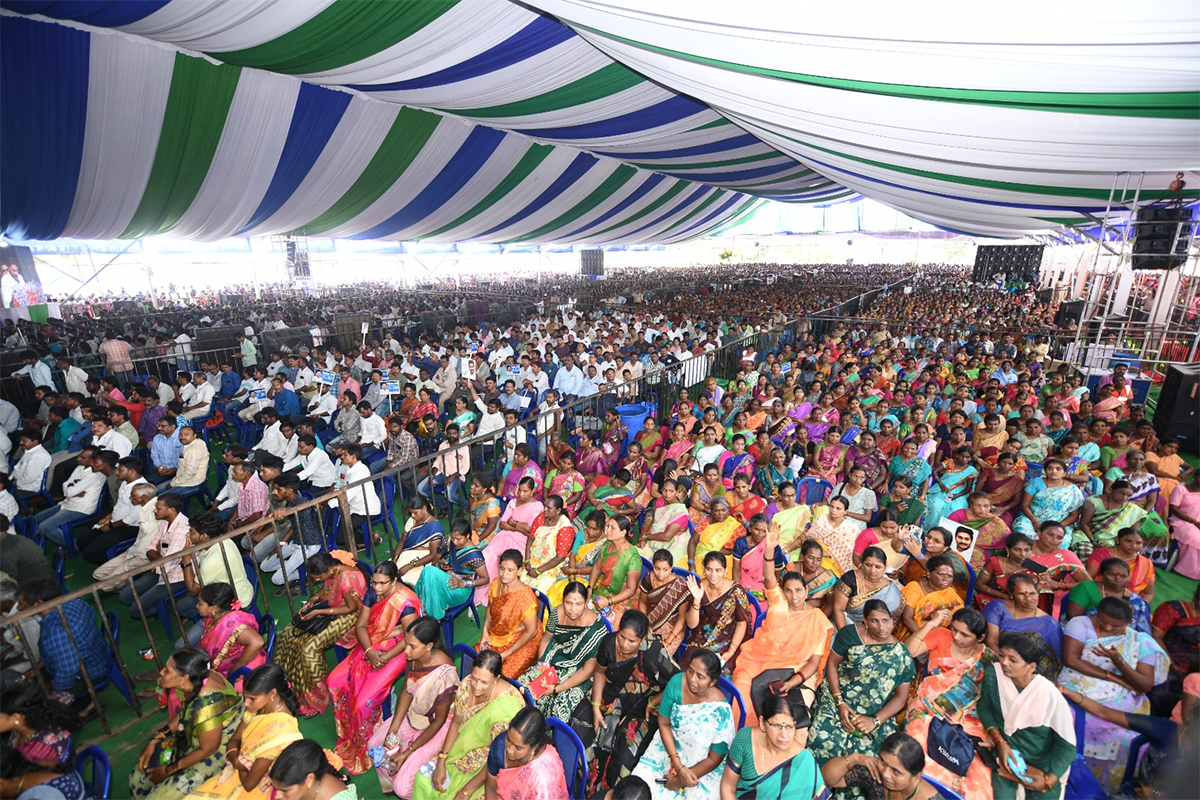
(591, 262)
(286, 341)
(1019, 262)
(1162, 236)
(1069, 313)
(1178, 411)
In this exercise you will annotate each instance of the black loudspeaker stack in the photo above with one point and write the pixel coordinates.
(1018, 262)
(1162, 236)
(591, 262)
(1068, 313)
(286, 341)
(1178, 411)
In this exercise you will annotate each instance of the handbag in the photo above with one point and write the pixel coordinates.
(313, 625)
(950, 746)
(546, 679)
(760, 687)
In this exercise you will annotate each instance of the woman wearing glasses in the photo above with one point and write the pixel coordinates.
(769, 762)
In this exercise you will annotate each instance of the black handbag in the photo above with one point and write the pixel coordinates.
(950, 746)
(313, 625)
(760, 687)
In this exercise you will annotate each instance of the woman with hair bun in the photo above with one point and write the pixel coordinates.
(303, 772)
(231, 635)
(522, 764)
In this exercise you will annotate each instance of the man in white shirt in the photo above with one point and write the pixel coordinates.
(105, 438)
(226, 501)
(200, 403)
(323, 403)
(363, 500)
(164, 391)
(306, 379)
(275, 365)
(193, 462)
(549, 423)
(36, 369)
(119, 524)
(372, 435)
(272, 441)
(142, 501)
(316, 471)
(35, 460)
(81, 497)
(261, 382)
(74, 378)
(10, 416)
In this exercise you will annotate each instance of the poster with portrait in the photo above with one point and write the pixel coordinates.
(962, 537)
(19, 281)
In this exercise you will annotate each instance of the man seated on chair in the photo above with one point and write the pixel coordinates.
(122, 522)
(252, 498)
(172, 537)
(118, 416)
(297, 533)
(81, 496)
(311, 466)
(192, 471)
(224, 505)
(105, 438)
(217, 563)
(69, 643)
(199, 403)
(28, 473)
(20, 557)
(165, 449)
(142, 499)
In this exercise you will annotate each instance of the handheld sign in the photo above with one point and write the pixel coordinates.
(258, 395)
(326, 376)
(525, 401)
(390, 387)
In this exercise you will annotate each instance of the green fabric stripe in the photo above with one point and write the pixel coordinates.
(667, 197)
(606, 81)
(403, 143)
(744, 213)
(718, 194)
(197, 105)
(534, 156)
(665, 167)
(345, 33)
(619, 177)
(1028, 188)
(716, 123)
(1167, 105)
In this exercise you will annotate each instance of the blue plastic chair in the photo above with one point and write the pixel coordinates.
(452, 614)
(42, 492)
(731, 693)
(945, 790)
(851, 435)
(68, 528)
(812, 490)
(93, 767)
(971, 586)
(543, 606)
(574, 756)
(1081, 783)
(118, 548)
(114, 675)
(466, 662)
(60, 568)
(27, 527)
(759, 614)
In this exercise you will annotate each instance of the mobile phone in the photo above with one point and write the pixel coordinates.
(776, 688)
(1034, 566)
(660, 781)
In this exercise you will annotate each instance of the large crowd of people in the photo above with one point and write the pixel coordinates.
(890, 556)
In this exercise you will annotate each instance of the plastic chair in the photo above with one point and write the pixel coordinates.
(118, 548)
(1081, 783)
(1130, 779)
(452, 614)
(543, 606)
(27, 527)
(759, 614)
(731, 693)
(945, 790)
(267, 629)
(114, 675)
(571, 751)
(60, 568)
(467, 656)
(97, 784)
(971, 586)
(67, 528)
(42, 492)
(812, 490)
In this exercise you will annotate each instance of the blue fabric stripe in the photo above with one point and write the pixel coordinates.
(574, 171)
(704, 220)
(647, 185)
(670, 110)
(675, 209)
(536, 37)
(475, 151)
(720, 146)
(315, 117)
(735, 177)
(101, 13)
(43, 102)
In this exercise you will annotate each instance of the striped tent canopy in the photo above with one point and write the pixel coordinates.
(575, 121)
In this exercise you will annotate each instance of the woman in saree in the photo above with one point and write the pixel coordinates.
(1165, 463)
(866, 454)
(668, 525)
(704, 492)
(512, 626)
(662, 596)
(910, 465)
(792, 517)
(423, 534)
(1049, 497)
(992, 583)
(908, 508)
(780, 426)
(1023, 711)
(992, 531)
(1021, 614)
(753, 560)
(561, 678)
(867, 679)
(830, 458)
(522, 764)
(679, 449)
(856, 587)
(363, 680)
(1111, 580)
(695, 728)
(717, 536)
(556, 449)
(616, 570)
(1078, 463)
(615, 727)
(887, 536)
(744, 504)
(484, 704)
(203, 711)
(1114, 455)
(302, 654)
(613, 496)
(457, 574)
(1063, 568)
(549, 545)
(416, 732)
(837, 533)
(567, 483)
(484, 508)
(613, 435)
(1185, 521)
(819, 582)
(268, 726)
(231, 636)
(719, 615)
(738, 462)
(794, 638)
(515, 526)
(776, 474)
(1128, 548)
(639, 474)
(950, 690)
(302, 772)
(590, 459)
(1143, 483)
(651, 441)
(951, 485)
(1176, 626)
(1103, 517)
(1097, 649)
(579, 562)
(899, 766)
(775, 744)
(932, 592)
